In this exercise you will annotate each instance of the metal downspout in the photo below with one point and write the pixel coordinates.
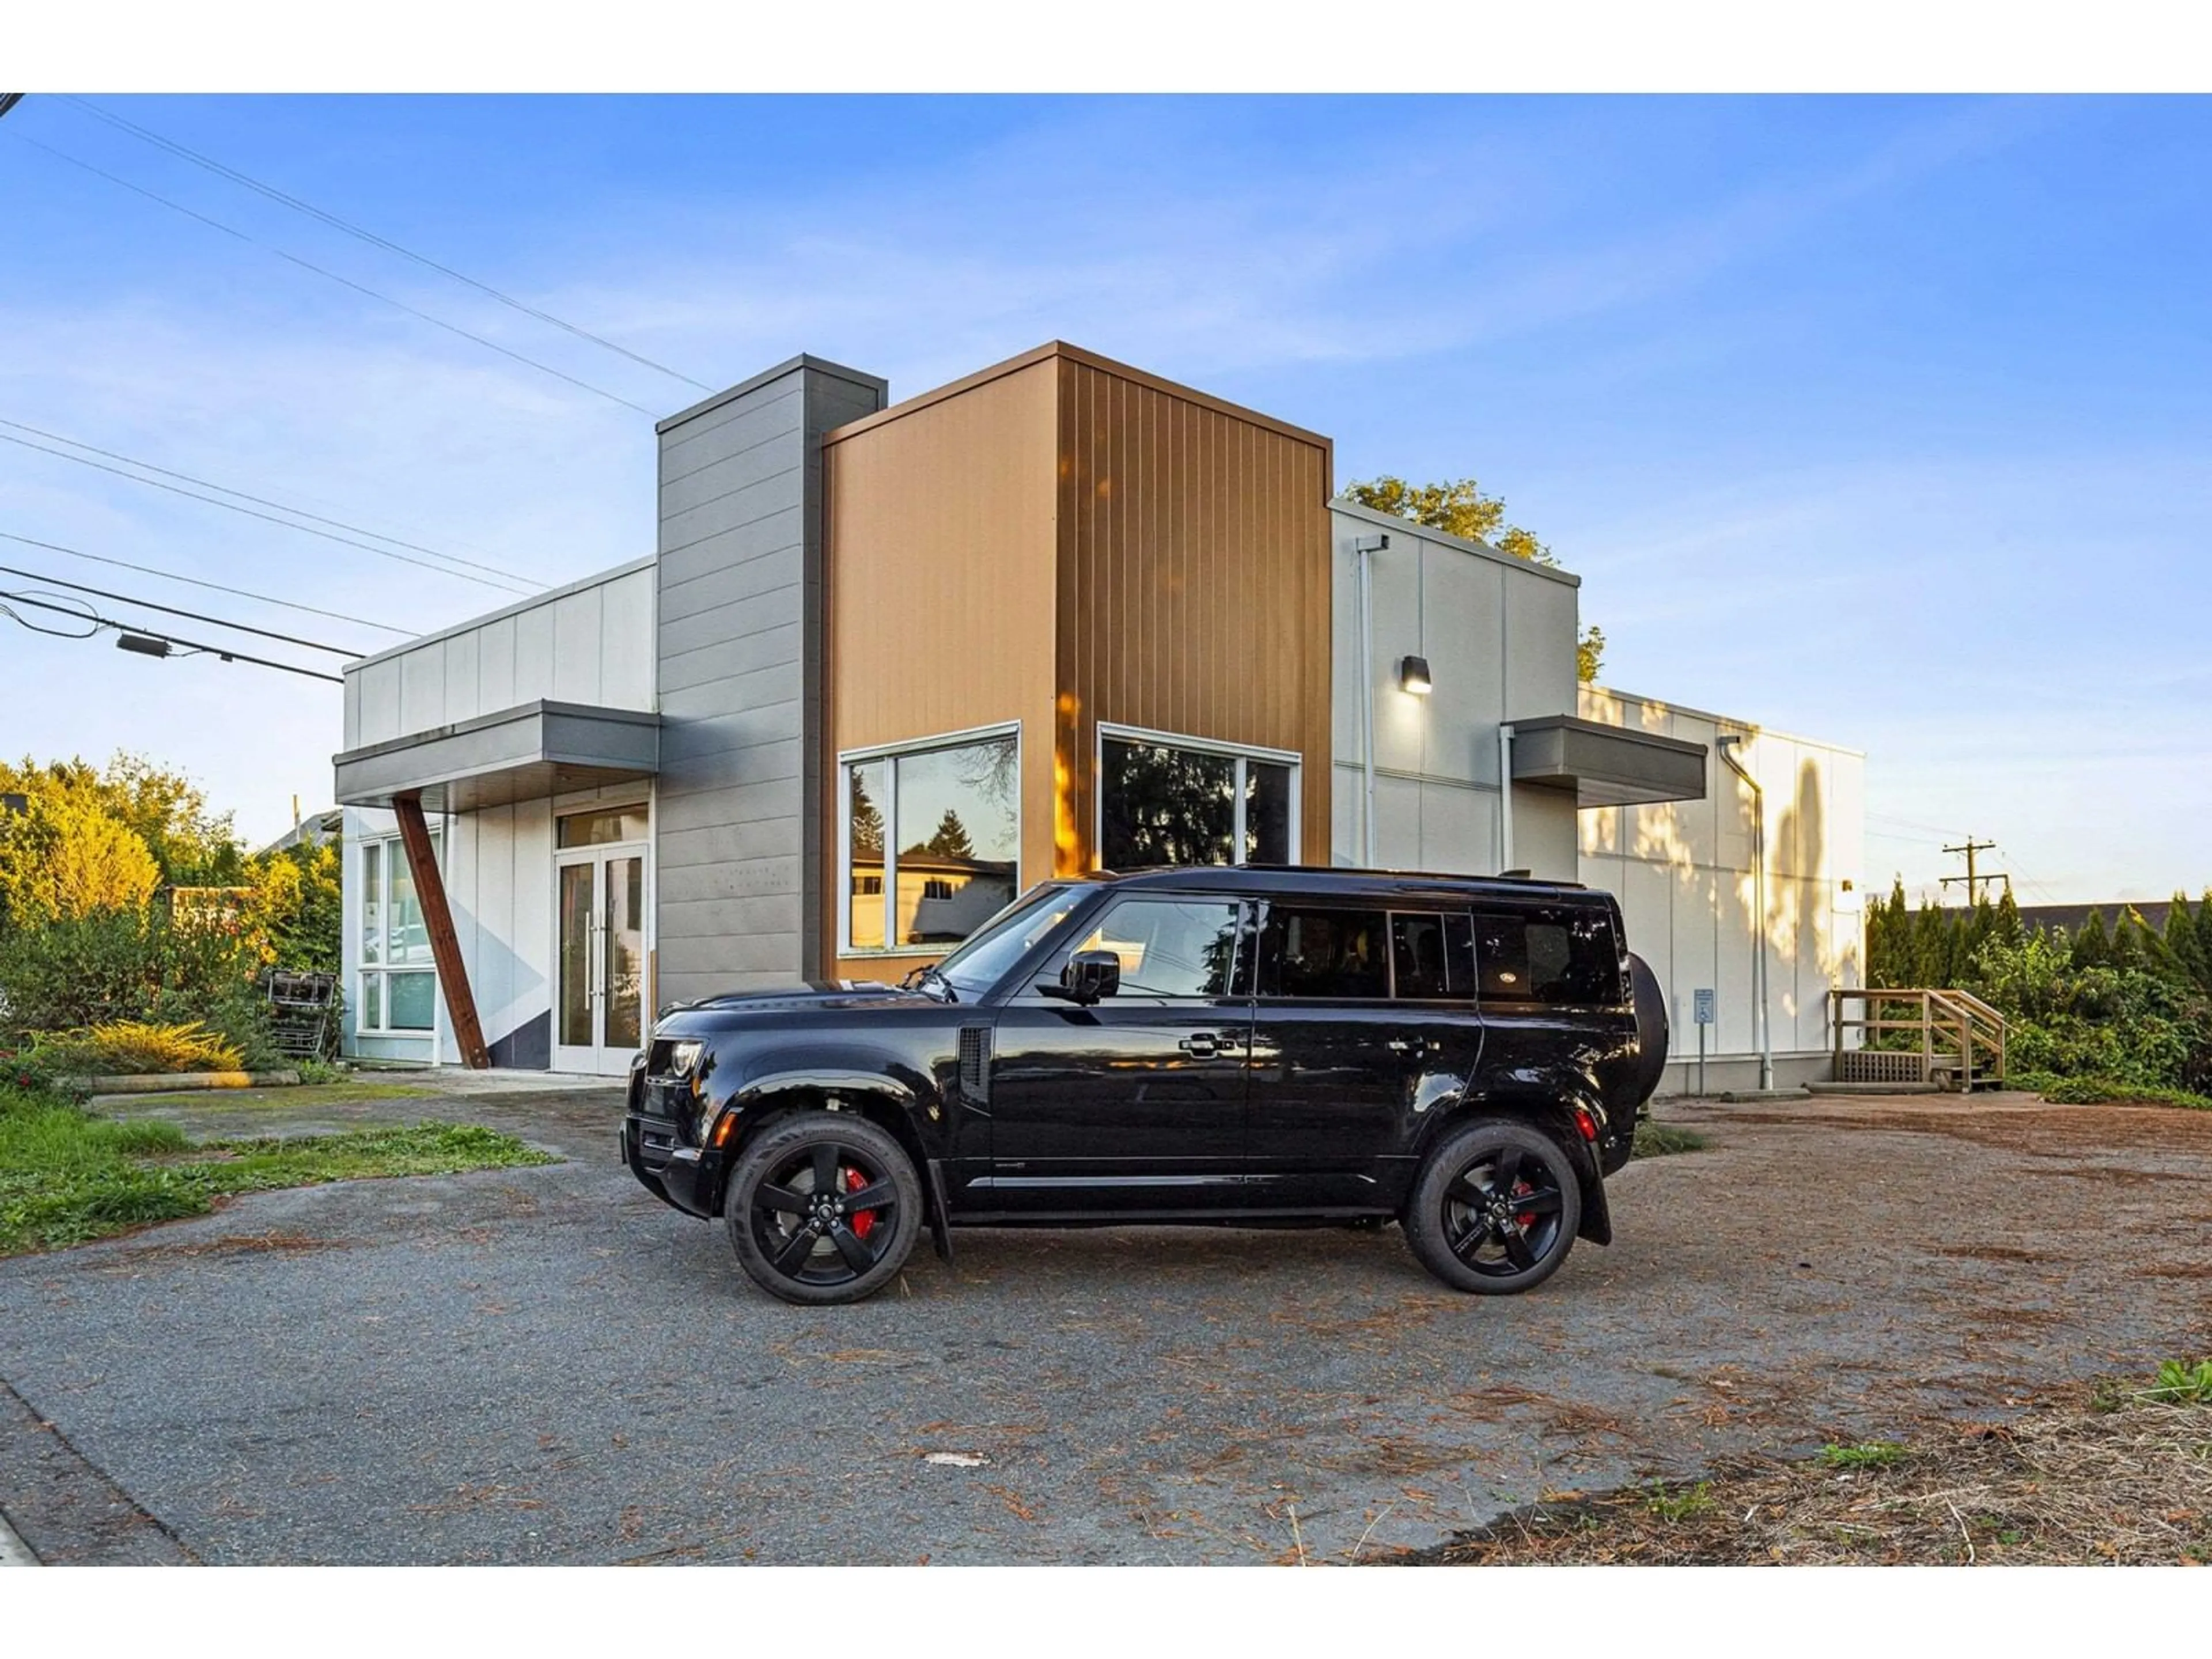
(1363, 548)
(1505, 798)
(1726, 744)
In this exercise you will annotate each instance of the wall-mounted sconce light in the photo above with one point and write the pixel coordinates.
(1413, 677)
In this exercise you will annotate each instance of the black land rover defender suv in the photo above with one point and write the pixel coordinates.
(1253, 1045)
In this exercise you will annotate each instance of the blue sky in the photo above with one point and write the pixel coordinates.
(1883, 420)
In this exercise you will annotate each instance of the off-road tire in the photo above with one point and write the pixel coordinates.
(794, 1148)
(1443, 1208)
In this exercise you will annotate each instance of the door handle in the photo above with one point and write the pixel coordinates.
(1399, 1046)
(1200, 1045)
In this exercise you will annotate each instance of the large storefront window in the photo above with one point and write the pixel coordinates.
(932, 842)
(399, 989)
(1178, 801)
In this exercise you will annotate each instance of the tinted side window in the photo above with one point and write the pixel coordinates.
(1170, 947)
(1324, 953)
(1561, 956)
(1432, 958)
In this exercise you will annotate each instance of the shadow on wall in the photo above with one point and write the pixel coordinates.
(1798, 928)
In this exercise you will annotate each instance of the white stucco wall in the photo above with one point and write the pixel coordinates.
(1683, 872)
(1498, 633)
(589, 642)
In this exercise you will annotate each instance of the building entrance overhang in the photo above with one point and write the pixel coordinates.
(1607, 765)
(528, 752)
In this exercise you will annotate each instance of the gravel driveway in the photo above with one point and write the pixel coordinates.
(547, 1366)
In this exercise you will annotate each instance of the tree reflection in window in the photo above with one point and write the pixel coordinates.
(948, 858)
(1165, 804)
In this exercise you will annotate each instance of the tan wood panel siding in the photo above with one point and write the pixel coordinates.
(940, 569)
(1193, 585)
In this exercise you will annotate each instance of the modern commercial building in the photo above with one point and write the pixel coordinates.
(892, 663)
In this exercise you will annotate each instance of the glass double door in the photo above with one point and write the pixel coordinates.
(599, 1012)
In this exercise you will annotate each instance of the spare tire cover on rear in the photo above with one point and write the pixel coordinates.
(1651, 1032)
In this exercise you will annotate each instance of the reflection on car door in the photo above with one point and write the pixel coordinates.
(1138, 1102)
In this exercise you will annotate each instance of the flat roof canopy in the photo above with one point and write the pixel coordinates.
(1607, 765)
(524, 753)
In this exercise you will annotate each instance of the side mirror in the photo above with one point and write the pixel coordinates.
(1089, 975)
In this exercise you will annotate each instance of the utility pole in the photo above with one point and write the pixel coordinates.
(1973, 879)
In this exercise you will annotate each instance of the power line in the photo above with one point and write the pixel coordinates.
(214, 587)
(371, 237)
(191, 616)
(193, 646)
(331, 276)
(262, 501)
(305, 530)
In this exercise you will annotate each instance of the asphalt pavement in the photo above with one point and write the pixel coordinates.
(548, 1366)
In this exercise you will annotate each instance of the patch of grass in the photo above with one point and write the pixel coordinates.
(1658, 1139)
(1685, 1505)
(67, 1176)
(1866, 1454)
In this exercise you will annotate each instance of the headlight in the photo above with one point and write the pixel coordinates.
(684, 1057)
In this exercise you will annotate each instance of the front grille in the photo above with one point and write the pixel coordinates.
(975, 1064)
(655, 1146)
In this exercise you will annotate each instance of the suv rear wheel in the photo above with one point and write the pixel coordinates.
(1495, 1209)
(823, 1207)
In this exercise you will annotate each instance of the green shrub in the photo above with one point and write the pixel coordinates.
(2105, 1090)
(137, 1047)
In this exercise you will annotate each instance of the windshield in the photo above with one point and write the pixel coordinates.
(996, 946)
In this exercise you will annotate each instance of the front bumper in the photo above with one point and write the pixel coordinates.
(688, 1178)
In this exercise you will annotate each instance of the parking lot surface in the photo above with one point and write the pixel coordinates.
(548, 1366)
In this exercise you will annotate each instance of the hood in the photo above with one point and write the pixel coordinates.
(826, 996)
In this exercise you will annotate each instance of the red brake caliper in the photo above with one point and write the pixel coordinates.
(1527, 1218)
(864, 1221)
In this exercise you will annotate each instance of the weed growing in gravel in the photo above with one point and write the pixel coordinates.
(1866, 1455)
(1683, 1505)
(2181, 1383)
(67, 1176)
(1658, 1139)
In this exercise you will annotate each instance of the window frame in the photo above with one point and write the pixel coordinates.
(888, 807)
(388, 848)
(1239, 752)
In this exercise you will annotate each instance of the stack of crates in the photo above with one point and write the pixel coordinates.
(300, 1008)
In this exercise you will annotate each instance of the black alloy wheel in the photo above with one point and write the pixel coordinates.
(825, 1207)
(1496, 1208)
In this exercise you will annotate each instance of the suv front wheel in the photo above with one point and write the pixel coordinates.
(1495, 1209)
(823, 1207)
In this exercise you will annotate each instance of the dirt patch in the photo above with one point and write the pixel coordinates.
(2093, 1479)
(245, 1244)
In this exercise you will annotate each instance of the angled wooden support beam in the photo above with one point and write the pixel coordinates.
(445, 943)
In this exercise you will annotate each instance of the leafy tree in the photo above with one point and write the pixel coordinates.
(191, 846)
(2186, 940)
(2008, 918)
(65, 857)
(295, 913)
(1458, 507)
(2092, 948)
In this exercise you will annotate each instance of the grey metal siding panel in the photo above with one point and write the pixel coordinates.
(740, 547)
